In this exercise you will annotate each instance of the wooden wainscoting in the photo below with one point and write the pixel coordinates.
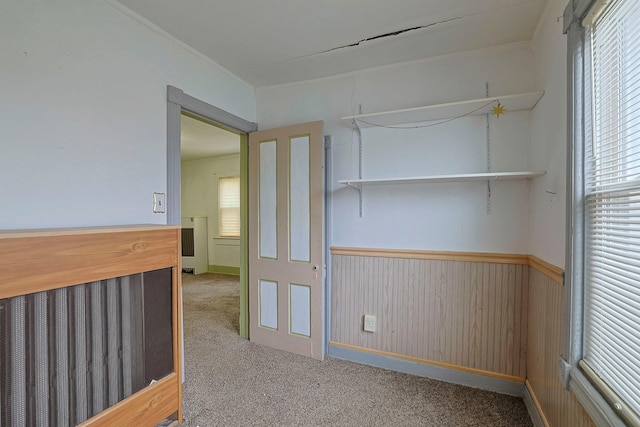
(465, 311)
(43, 260)
(490, 314)
(556, 406)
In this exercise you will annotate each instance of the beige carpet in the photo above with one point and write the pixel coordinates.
(233, 382)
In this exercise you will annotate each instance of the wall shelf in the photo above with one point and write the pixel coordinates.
(516, 102)
(485, 176)
(440, 114)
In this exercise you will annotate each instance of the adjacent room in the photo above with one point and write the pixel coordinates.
(398, 213)
(210, 198)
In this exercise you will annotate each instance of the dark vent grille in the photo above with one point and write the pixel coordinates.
(187, 242)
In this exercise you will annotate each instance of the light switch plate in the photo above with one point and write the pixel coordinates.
(158, 202)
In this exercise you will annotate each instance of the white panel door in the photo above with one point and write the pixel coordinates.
(285, 238)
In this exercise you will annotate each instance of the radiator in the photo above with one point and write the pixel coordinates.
(195, 256)
(70, 353)
(187, 242)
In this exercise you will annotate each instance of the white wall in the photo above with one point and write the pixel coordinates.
(434, 216)
(200, 198)
(83, 112)
(548, 138)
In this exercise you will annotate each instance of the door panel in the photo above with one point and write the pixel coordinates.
(267, 199)
(285, 238)
(299, 225)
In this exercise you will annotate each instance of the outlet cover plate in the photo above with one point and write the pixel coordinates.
(369, 323)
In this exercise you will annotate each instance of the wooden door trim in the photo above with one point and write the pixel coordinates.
(177, 102)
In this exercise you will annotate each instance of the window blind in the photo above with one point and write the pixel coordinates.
(229, 207)
(612, 206)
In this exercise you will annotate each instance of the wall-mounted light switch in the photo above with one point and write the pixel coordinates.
(158, 202)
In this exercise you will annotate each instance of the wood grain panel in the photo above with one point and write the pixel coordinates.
(460, 313)
(34, 261)
(557, 406)
(148, 407)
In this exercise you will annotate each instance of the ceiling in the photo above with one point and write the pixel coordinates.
(283, 41)
(199, 140)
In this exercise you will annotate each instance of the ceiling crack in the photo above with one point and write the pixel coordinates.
(399, 32)
(385, 35)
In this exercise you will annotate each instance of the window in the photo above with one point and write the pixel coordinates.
(229, 206)
(611, 202)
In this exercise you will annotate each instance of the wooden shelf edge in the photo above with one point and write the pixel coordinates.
(488, 176)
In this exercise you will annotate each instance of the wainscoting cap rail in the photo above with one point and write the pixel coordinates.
(553, 272)
(433, 255)
(550, 270)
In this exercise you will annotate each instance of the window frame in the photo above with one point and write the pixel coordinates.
(579, 113)
(220, 231)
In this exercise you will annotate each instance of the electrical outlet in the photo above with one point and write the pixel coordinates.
(369, 323)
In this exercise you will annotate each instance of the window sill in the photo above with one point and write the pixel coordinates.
(227, 241)
(592, 401)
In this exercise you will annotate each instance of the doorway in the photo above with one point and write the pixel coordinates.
(180, 104)
(299, 305)
(210, 197)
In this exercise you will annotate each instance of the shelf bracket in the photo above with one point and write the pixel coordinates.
(356, 186)
(488, 147)
(359, 187)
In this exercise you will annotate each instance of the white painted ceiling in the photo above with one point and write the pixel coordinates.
(282, 41)
(199, 140)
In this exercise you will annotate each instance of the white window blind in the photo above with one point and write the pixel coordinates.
(612, 247)
(229, 206)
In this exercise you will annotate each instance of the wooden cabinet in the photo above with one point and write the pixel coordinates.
(77, 302)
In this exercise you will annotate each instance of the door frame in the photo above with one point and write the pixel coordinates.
(177, 103)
